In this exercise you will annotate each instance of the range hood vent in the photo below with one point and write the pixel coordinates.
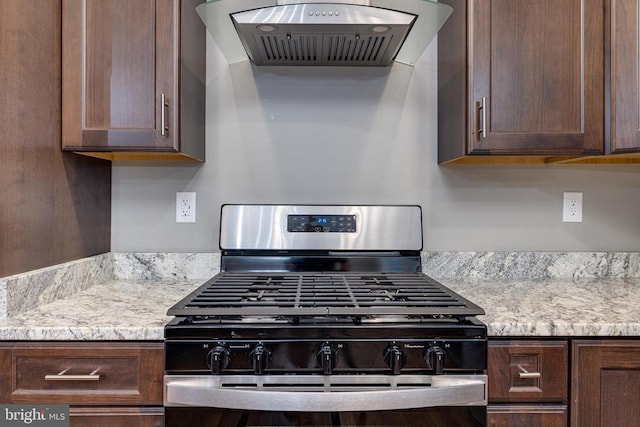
(313, 49)
(346, 33)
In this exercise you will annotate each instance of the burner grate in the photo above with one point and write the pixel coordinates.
(320, 293)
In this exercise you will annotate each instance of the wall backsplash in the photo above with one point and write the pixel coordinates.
(363, 136)
(531, 265)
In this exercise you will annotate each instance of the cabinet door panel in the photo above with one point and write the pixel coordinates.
(625, 76)
(119, 59)
(532, 74)
(605, 383)
(537, 77)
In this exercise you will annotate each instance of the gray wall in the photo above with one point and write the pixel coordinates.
(362, 136)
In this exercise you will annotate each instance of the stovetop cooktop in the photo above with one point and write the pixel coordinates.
(323, 294)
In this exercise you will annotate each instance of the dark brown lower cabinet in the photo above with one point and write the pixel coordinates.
(114, 384)
(528, 382)
(527, 416)
(606, 383)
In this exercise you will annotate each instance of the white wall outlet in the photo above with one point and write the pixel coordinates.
(185, 206)
(572, 207)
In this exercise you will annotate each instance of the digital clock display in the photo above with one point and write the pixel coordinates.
(321, 223)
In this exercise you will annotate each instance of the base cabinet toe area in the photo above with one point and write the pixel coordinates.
(105, 383)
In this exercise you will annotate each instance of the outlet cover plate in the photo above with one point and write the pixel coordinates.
(185, 206)
(572, 206)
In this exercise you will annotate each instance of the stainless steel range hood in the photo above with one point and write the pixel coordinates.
(343, 32)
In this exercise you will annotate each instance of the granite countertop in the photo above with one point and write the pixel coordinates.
(117, 310)
(555, 307)
(136, 309)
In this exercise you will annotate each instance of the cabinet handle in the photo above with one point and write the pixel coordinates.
(525, 375)
(93, 376)
(163, 115)
(483, 118)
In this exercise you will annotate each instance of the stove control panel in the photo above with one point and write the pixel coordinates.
(321, 223)
(282, 356)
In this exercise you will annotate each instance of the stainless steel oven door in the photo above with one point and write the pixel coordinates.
(325, 393)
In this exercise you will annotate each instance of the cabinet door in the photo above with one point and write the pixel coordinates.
(537, 73)
(625, 77)
(605, 383)
(119, 65)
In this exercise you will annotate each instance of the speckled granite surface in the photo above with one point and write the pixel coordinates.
(142, 266)
(531, 265)
(23, 292)
(555, 307)
(126, 296)
(115, 310)
(136, 310)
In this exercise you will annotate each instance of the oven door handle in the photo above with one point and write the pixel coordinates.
(330, 393)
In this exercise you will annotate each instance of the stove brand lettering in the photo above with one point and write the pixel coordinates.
(413, 346)
(34, 415)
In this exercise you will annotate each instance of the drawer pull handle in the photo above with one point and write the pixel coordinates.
(61, 376)
(525, 375)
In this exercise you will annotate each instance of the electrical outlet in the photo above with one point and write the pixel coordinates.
(185, 206)
(572, 207)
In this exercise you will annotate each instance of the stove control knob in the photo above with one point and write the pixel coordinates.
(395, 358)
(327, 358)
(260, 356)
(434, 356)
(218, 358)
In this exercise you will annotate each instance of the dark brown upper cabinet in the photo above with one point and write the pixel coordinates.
(625, 75)
(133, 79)
(521, 80)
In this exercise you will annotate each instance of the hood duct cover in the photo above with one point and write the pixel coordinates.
(354, 33)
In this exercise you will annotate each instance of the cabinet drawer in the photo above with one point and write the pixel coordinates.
(116, 417)
(527, 415)
(528, 371)
(82, 373)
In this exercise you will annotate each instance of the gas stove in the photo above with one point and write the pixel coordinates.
(316, 302)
